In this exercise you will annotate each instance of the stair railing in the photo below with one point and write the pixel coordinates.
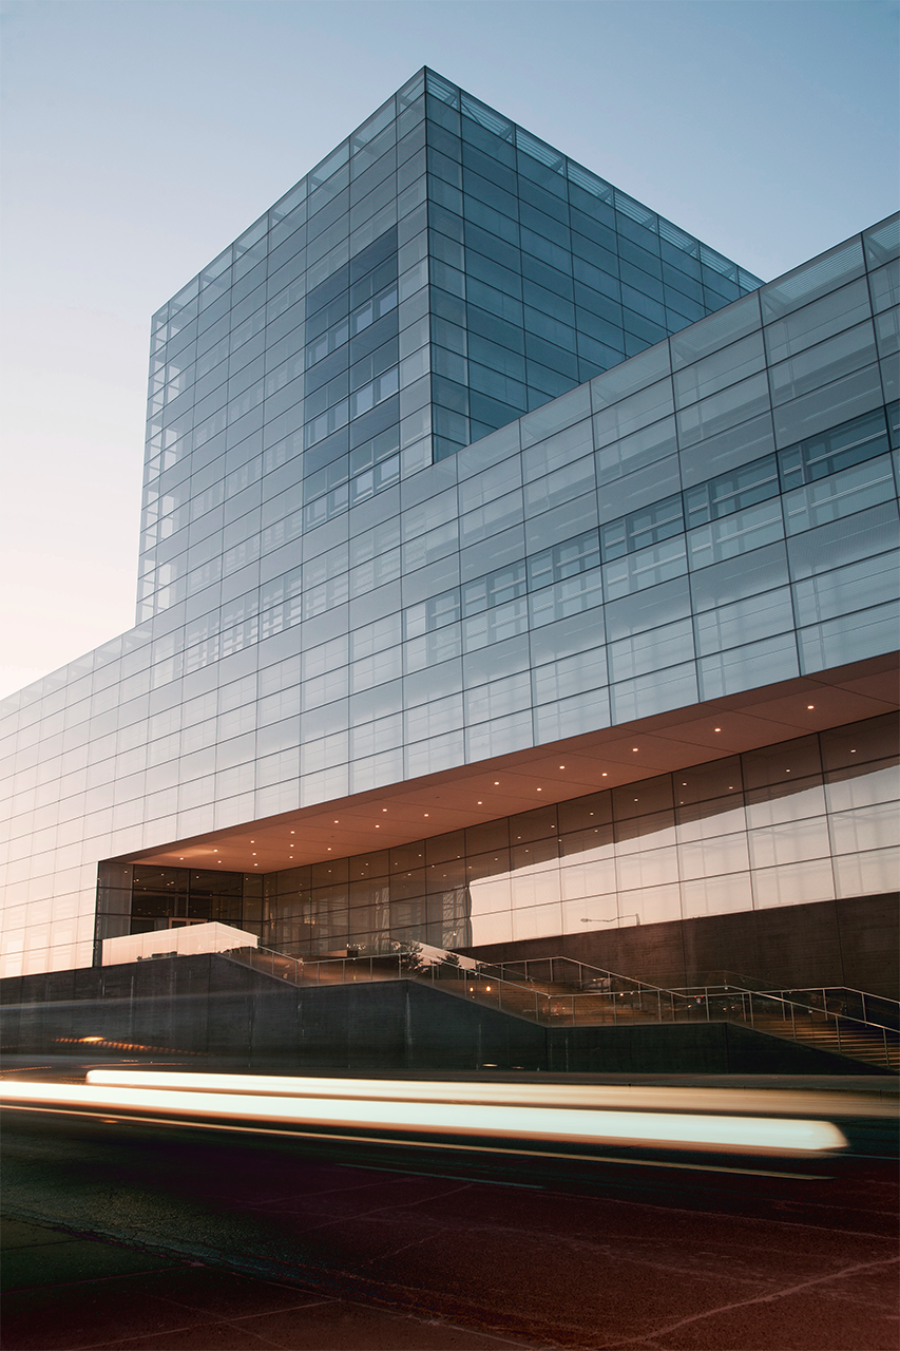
(603, 998)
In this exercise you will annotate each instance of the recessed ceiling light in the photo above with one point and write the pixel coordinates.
(426, 813)
(810, 705)
(539, 790)
(562, 766)
(496, 783)
(717, 729)
(634, 748)
(604, 775)
(478, 803)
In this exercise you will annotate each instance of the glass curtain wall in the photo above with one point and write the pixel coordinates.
(803, 821)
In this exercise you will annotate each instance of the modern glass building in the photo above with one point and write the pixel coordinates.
(515, 570)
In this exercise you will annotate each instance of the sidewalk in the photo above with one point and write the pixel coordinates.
(64, 1291)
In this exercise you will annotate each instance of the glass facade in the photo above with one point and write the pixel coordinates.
(458, 452)
(805, 820)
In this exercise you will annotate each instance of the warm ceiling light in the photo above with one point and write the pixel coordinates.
(329, 849)
(539, 790)
(562, 766)
(604, 775)
(717, 729)
(478, 803)
(634, 748)
(384, 809)
(810, 705)
(336, 822)
(293, 832)
(378, 827)
(496, 783)
(253, 842)
(426, 813)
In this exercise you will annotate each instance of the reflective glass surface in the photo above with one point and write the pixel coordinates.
(330, 601)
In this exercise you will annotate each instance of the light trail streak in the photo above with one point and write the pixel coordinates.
(650, 1098)
(582, 1125)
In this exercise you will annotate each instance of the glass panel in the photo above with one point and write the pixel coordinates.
(814, 279)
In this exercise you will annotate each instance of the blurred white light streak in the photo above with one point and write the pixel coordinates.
(581, 1125)
(765, 1102)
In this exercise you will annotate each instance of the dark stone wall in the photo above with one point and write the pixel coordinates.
(213, 1009)
(853, 942)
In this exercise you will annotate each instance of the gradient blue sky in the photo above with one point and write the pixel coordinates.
(141, 136)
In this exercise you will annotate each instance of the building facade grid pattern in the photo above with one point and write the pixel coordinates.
(714, 513)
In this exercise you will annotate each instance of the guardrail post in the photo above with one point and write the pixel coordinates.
(887, 1054)
(793, 1023)
(837, 1028)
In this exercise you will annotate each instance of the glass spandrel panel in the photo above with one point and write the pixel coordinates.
(847, 397)
(649, 609)
(872, 581)
(634, 412)
(649, 567)
(645, 369)
(849, 638)
(710, 416)
(739, 575)
(561, 413)
(744, 621)
(733, 447)
(884, 286)
(674, 687)
(823, 363)
(852, 442)
(744, 668)
(887, 336)
(736, 321)
(732, 492)
(882, 241)
(825, 273)
(814, 323)
(737, 362)
(742, 532)
(633, 452)
(841, 494)
(648, 651)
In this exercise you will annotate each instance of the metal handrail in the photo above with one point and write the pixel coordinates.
(637, 1003)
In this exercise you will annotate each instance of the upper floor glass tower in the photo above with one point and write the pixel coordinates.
(439, 274)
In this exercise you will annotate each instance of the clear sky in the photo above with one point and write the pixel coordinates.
(141, 136)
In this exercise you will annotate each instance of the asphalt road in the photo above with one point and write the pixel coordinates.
(774, 1255)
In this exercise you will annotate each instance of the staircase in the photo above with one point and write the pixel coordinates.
(560, 992)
